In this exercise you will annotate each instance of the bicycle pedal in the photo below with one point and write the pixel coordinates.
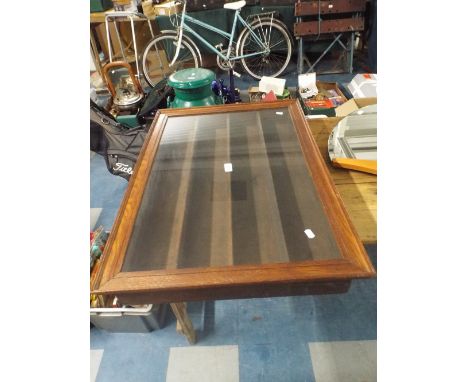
(236, 74)
(219, 46)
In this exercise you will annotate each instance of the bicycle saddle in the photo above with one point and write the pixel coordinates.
(234, 6)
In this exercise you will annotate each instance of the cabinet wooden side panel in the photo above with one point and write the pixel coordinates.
(230, 293)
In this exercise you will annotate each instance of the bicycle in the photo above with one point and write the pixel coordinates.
(263, 47)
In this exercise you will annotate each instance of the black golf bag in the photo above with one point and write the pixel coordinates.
(117, 143)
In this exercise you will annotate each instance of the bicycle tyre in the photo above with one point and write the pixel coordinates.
(162, 48)
(257, 66)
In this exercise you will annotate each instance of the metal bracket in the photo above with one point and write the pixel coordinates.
(264, 14)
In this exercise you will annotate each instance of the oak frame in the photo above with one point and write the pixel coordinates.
(237, 281)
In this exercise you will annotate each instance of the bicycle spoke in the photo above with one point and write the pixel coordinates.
(261, 28)
(276, 59)
(258, 64)
(276, 38)
(158, 56)
(269, 64)
(255, 45)
(271, 25)
(273, 62)
(279, 42)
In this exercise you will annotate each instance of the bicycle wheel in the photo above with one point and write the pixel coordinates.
(159, 53)
(276, 38)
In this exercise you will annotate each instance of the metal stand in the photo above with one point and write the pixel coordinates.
(95, 53)
(232, 89)
(132, 16)
(349, 48)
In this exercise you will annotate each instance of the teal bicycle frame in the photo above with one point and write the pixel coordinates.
(227, 57)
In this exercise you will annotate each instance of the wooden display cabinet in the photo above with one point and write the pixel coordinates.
(230, 201)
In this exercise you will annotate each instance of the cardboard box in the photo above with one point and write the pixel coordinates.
(255, 95)
(322, 112)
(354, 104)
(167, 9)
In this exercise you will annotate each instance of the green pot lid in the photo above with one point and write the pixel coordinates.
(191, 78)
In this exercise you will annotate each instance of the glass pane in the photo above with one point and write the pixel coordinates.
(229, 189)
